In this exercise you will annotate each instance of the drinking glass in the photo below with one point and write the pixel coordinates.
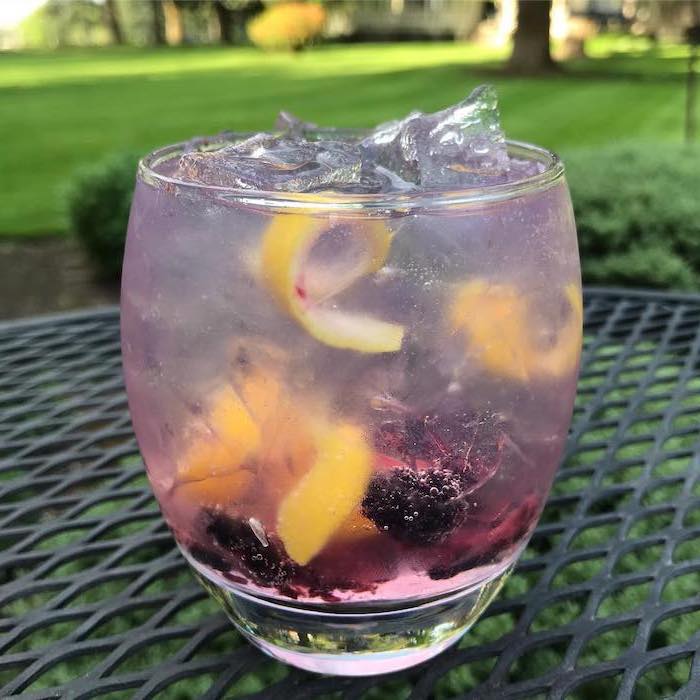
(351, 406)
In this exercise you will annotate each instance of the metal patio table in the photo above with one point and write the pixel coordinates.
(95, 601)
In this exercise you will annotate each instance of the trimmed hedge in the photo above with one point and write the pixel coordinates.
(98, 199)
(637, 212)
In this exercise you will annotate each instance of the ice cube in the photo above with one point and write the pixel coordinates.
(459, 146)
(390, 146)
(288, 123)
(387, 180)
(199, 143)
(519, 168)
(287, 163)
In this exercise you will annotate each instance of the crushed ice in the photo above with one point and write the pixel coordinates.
(461, 146)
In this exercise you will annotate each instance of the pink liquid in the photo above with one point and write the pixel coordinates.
(423, 545)
(463, 453)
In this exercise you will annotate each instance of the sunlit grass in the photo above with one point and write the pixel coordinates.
(69, 108)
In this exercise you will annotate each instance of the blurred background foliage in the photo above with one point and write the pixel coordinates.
(90, 83)
(288, 26)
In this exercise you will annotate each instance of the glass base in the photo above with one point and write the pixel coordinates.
(349, 641)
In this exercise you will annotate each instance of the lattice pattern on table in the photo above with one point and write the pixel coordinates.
(96, 602)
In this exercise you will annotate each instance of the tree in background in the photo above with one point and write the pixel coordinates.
(531, 53)
(225, 19)
(174, 25)
(163, 22)
(665, 19)
(112, 21)
(232, 17)
(197, 21)
(157, 23)
(58, 23)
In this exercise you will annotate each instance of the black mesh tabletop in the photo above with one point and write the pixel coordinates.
(96, 602)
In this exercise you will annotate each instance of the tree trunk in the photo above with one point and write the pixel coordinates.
(690, 96)
(223, 16)
(157, 23)
(531, 52)
(112, 20)
(174, 28)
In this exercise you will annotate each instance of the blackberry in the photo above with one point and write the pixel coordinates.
(472, 561)
(415, 507)
(208, 557)
(266, 565)
(324, 586)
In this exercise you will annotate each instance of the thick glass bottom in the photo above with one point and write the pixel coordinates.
(360, 642)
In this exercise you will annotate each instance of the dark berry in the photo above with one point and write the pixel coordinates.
(264, 564)
(208, 557)
(416, 507)
(471, 561)
(324, 585)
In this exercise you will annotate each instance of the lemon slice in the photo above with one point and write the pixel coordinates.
(212, 470)
(261, 393)
(327, 494)
(563, 356)
(307, 295)
(286, 448)
(498, 324)
(493, 316)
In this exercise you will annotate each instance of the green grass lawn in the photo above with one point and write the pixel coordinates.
(61, 110)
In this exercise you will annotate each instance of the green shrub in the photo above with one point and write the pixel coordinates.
(638, 214)
(287, 26)
(98, 200)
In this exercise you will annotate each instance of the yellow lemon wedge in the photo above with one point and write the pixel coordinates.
(286, 448)
(494, 318)
(497, 321)
(232, 423)
(327, 494)
(287, 454)
(563, 355)
(212, 470)
(306, 297)
(261, 393)
(224, 480)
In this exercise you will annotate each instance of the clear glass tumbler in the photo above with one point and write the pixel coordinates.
(351, 406)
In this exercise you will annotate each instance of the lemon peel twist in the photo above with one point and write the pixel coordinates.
(496, 320)
(327, 494)
(286, 246)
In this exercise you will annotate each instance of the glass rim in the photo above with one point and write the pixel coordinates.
(328, 199)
